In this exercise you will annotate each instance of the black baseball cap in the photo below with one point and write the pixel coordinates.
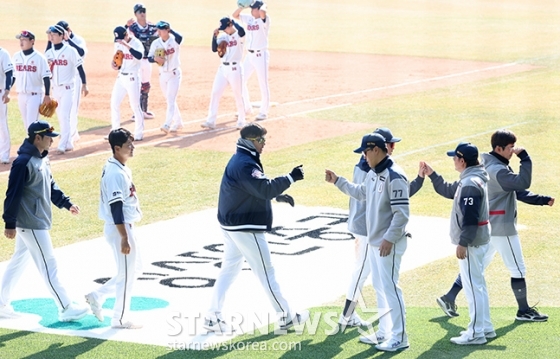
(385, 132)
(256, 4)
(41, 127)
(224, 23)
(163, 25)
(372, 140)
(465, 150)
(63, 24)
(119, 32)
(55, 29)
(139, 7)
(26, 34)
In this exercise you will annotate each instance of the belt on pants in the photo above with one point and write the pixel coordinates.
(126, 73)
(251, 51)
(228, 63)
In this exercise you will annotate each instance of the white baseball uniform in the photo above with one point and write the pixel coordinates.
(128, 82)
(64, 62)
(230, 71)
(117, 186)
(257, 58)
(78, 40)
(5, 66)
(29, 71)
(170, 79)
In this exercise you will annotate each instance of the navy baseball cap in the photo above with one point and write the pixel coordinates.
(163, 25)
(41, 128)
(465, 150)
(26, 34)
(385, 132)
(256, 4)
(119, 32)
(139, 7)
(63, 24)
(55, 29)
(224, 23)
(371, 140)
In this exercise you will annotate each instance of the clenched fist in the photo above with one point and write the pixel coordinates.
(297, 173)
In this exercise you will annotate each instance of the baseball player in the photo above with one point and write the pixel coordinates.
(28, 219)
(32, 78)
(505, 188)
(245, 214)
(64, 61)
(230, 70)
(169, 72)
(257, 25)
(6, 78)
(120, 209)
(470, 232)
(128, 80)
(146, 32)
(357, 226)
(385, 191)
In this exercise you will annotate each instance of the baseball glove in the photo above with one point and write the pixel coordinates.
(222, 48)
(285, 198)
(244, 3)
(118, 59)
(48, 109)
(160, 53)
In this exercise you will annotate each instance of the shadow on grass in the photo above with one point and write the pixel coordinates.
(58, 351)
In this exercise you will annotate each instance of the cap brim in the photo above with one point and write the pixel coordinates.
(52, 134)
(451, 153)
(395, 139)
(359, 150)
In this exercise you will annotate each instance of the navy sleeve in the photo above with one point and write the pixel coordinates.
(178, 37)
(151, 59)
(19, 175)
(58, 198)
(78, 48)
(532, 198)
(239, 28)
(82, 74)
(256, 184)
(117, 212)
(214, 44)
(47, 83)
(470, 204)
(444, 189)
(415, 186)
(9, 79)
(136, 54)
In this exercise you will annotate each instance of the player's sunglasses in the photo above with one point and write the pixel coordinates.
(49, 130)
(260, 140)
(142, 11)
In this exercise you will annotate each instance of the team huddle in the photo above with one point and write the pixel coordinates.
(483, 215)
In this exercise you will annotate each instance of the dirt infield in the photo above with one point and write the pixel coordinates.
(299, 82)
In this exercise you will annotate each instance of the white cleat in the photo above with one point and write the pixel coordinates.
(373, 339)
(392, 345)
(8, 312)
(217, 325)
(298, 319)
(73, 312)
(260, 117)
(240, 124)
(465, 339)
(490, 334)
(165, 129)
(208, 125)
(95, 306)
(353, 321)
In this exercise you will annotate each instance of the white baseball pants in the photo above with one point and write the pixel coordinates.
(257, 61)
(252, 247)
(145, 71)
(75, 106)
(474, 284)
(36, 244)
(128, 83)
(385, 273)
(170, 82)
(511, 252)
(232, 74)
(4, 131)
(361, 269)
(129, 267)
(29, 107)
(64, 94)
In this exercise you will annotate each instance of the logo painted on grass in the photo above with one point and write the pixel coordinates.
(48, 311)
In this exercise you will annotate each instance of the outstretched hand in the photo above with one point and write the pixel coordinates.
(330, 176)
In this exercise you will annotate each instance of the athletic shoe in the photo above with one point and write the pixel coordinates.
(138, 138)
(72, 312)
(176, 128)
(448, 307)
(148, 115)
(353, 321)
(217, 325)
(240, 124)
(465, 339)
(260, 117)
(165, 128)
(5, 162)
(7, 312)
(208, 125)
(531, 315)
(373, 339)
(392, 345)
(297, 320)
(95, 306)
(118, 324)
(488, 335)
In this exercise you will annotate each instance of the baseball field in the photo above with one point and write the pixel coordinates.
(436, 73)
